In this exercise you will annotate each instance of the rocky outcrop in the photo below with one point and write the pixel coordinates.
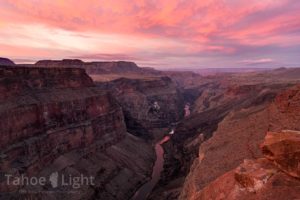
(261, 179)
(286, 110)
(238, 137)
(284, 150)
(18, 80)
(239, 132)
(147, 103)
(56, 121)
(211, 116)
(6, 62)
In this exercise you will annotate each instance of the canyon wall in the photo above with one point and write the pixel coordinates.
(237, 138)
(55, 120)
(276, 176)
(219, 101)
(148, 103)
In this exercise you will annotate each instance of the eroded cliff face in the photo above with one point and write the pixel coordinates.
(55, 120)
(274, 177)
(19, 80)
(183, 147)
(237, 138)
(147, 103)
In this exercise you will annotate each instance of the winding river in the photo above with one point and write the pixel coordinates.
(146, 189)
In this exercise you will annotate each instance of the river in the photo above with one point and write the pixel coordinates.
(146, 189)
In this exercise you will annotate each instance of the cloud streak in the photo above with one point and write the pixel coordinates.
(211, 33)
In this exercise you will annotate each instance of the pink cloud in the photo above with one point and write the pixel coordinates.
(194, 29)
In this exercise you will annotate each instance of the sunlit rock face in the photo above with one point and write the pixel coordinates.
(239, 136)
(261, 178)
(6, 62)
(225, 119)
(286, 110)
(56, 120)
(147, 103)
(283, 149)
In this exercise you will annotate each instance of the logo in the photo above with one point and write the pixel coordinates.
(54, 179)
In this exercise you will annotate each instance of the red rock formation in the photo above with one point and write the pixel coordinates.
(62, 112)
(284, 150)
(55, 120)
(17, 80)
(286, 110)
(261, 179)
(147, 103)
(238, 137)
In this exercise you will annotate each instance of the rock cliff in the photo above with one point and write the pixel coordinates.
(56, 120)
(273, 177)
(238, 137)
(19, 80)
(148, 103)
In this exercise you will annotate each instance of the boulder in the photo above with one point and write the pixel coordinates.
(274, 177)
(283, 149)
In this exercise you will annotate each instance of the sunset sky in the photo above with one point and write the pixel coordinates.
(154, 33)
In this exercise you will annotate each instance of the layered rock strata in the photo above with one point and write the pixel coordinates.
(274, 177)
(238, 137)
(56, 121)
(147, 103)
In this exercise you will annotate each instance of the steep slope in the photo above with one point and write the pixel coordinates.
(238, 137)
(183, 147)
(148, 103)
(55, 121)
(273, 178)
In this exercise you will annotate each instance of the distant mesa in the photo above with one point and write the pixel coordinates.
(6, 62)
(97, 67)
(60, 63)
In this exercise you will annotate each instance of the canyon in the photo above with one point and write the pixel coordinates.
(229, 136)
(56, 120)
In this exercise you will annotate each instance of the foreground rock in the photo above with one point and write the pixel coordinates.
(238, 137)
(261, 179)
(284, 150)
(55, 121)
(237, 116)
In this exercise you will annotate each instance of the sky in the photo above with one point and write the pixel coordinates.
(154, 33)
